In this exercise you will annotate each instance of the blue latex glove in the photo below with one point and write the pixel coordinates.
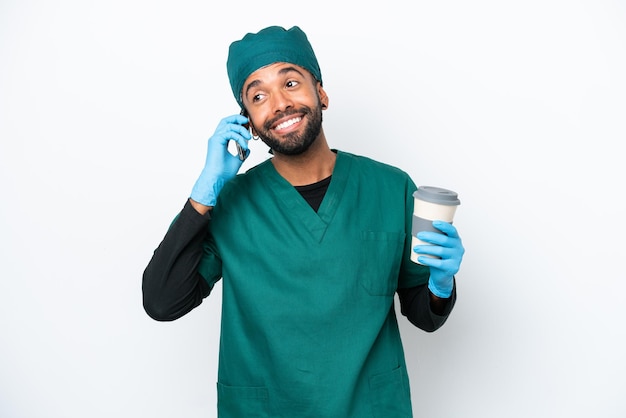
(221, 165)
(449, 248)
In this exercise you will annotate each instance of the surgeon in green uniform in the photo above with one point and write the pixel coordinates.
(311, 246)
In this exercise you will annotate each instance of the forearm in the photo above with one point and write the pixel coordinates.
(423, 309)
(438, 305)
(171, 284)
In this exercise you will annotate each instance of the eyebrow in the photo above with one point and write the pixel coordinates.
(282, 71)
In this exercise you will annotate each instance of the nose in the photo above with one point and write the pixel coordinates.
(281, 101)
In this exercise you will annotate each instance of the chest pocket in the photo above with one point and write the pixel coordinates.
(381, 256)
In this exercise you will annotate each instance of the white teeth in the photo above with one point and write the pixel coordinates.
(288, 123)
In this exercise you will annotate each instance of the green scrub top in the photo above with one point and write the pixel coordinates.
(308, 321)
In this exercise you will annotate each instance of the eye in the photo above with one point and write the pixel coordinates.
(291, 83)
(257, 97)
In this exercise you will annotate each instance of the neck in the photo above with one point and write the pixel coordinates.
(315, 164)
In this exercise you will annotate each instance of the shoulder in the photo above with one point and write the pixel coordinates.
(370, 166)
(244, 182)
(252, 175)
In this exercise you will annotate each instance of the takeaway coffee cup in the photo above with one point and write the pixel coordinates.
(430, 204)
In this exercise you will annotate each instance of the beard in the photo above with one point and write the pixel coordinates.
(294, 143)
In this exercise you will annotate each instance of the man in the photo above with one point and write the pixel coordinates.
(312, 245)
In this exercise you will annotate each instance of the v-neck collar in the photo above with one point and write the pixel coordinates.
(315, 222)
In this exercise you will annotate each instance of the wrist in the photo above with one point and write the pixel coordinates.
(442, 287)
(205, 191)
(199, 207)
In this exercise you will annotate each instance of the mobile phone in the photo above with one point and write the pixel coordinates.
(240, 151)
(244, 113)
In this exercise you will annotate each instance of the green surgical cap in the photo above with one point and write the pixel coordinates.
(269, 45)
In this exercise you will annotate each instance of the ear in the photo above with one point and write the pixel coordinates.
(322, 95)
(253, 132)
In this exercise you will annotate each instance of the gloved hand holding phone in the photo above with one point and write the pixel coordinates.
(221, 165)
(449, 248)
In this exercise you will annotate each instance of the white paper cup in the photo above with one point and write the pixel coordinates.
(431, 204)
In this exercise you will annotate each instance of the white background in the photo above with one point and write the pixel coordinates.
(519, 106)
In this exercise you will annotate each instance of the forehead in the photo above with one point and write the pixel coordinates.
(275, 70)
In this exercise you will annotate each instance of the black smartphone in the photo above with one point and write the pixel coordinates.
(240, 151)
(244, 113)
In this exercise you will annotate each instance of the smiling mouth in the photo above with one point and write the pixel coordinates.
(287, 123)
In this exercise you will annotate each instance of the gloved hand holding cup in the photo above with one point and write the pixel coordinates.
(440, 246)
